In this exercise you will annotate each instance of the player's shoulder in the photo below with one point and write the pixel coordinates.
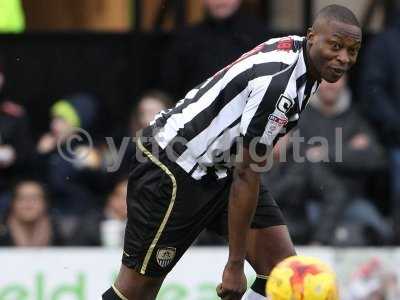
(289, 38)
(285, 47)
(276, 55)
(283, 50)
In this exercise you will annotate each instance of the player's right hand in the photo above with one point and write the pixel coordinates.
(234, 282)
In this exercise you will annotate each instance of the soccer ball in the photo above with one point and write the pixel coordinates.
(302, 278)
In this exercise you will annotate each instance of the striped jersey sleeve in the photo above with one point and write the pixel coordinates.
(266, 112)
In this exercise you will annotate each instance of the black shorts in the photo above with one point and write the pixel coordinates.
(168, 209)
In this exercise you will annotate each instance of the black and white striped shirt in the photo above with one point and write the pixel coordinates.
(259, 97)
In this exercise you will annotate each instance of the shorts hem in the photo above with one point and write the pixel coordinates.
(148, 273)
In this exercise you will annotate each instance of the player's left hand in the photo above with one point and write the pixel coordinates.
(233, 284)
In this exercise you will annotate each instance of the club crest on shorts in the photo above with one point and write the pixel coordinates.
(165, 256)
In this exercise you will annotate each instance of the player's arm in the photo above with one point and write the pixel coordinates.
(242, 204)
(264, 115)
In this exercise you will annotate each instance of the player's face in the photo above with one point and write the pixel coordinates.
(334, 49)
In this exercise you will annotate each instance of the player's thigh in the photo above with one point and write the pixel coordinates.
(267, 247)
(167, 209)
(269, 239)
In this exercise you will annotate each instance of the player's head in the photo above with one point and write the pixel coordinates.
(222, 9)
(333, 42)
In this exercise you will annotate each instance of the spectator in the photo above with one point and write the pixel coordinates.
(148, 106)
(381, 93)
(15, 142)
(353, 160)
(89, 232)
(292, 183)
(28, 223)
(372, 281)
(205, 48)
(69, 164)
(151, 103)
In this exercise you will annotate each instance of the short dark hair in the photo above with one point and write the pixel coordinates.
(20, 182)
(338, 13)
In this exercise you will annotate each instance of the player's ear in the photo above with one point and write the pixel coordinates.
(310, 35)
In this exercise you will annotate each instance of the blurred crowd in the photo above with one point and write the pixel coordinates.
(372, 280)
(336, 176)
